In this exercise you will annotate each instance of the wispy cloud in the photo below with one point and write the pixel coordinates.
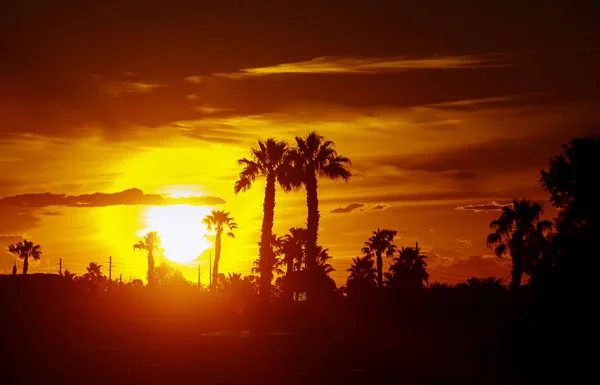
(116, 88)
(491, 206)
(462, 243)
(480, 102)
(381, 206)
(364, 65)
(51, 213)
(347, 209)
(196, 79)
(131, 196)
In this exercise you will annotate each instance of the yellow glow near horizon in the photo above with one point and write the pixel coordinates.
(181, 231)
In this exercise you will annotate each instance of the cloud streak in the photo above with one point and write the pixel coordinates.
(364, 65)
(381, 206)
(491, 206)
(347, 209)
(131, 196)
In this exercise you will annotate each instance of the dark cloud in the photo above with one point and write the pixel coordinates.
(491, 206)
(51, 213)
(441, 196)
(348, 209)
(494, 157)
(382, 206)
(81, 74)
(132, 196)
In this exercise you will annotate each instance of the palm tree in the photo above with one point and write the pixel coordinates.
(68, 275)
(26, 250)
(519, 232)
(315, 157)
(94, 272)
(409, 269)
(270, 160)
(379, 243)
(293, 249)
(150, 243)
(363, 275)
(218, 221)
(323, 267)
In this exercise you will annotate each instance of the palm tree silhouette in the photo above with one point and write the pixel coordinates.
(26, 250)
(151, 244)
(68, 275)
(94, 272)
(218, 221)
(409, 269)
(379, 243)
(518, 232)
(315, 157)
(270, 161)
(293, 249)
(363, 275)
(323, 267)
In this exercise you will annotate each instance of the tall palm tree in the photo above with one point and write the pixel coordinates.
(315, 158)
(271, 161)
(381, 242)
(218, 221)
(518, 232)
(151, 244)
(409, 269)
(26, 250)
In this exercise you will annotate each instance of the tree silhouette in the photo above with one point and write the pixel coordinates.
(517, 232)
(571, 181)
(409, 270)
(151, 244)
(363, 276)
(218, 221)
(315, 157)
(323, 267)
(26, 250)
(68, 275)
(379, 243)
(270, 160)
(94, 272)
(293, 249)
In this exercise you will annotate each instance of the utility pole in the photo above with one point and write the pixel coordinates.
(109, 268)
(60, 266)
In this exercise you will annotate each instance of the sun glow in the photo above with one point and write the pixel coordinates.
(181, 231)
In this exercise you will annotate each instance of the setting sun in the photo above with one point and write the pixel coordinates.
(181, 230)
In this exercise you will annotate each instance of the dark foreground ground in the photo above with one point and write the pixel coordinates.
(59, 337)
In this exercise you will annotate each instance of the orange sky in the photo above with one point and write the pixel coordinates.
(440, 110)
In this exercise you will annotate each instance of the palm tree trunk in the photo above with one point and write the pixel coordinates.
(287, 287)
(150, 268)
(266, 249)
(216, 264)
(25, 265)
(312, 230)
(379, 269)
(517, 272)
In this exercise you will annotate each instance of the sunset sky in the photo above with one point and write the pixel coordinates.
(447, 112)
